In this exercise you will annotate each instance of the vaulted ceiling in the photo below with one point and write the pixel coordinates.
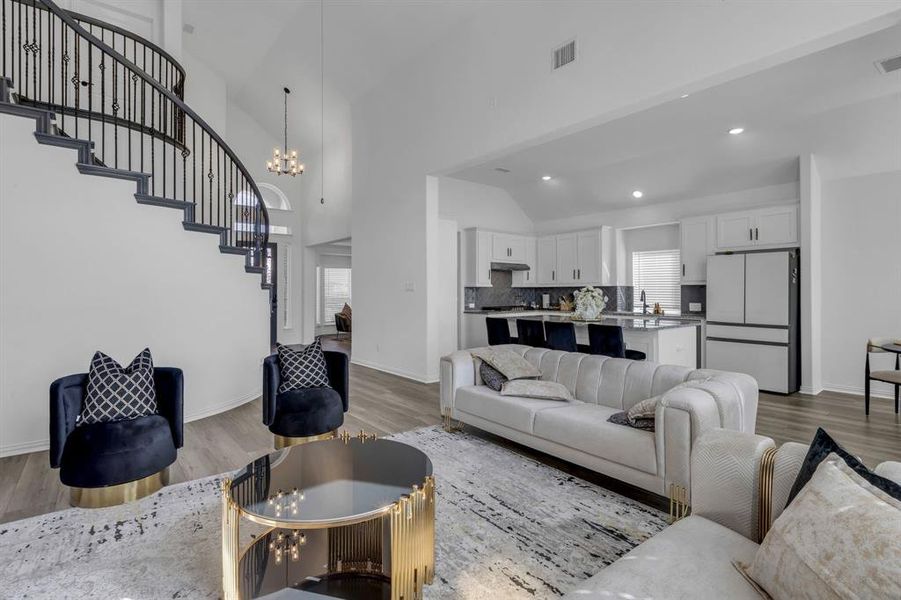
(834, 103)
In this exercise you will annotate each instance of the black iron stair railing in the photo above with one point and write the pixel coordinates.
(125, 97)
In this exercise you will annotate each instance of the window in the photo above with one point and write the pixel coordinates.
(658, 273)
(334, 291)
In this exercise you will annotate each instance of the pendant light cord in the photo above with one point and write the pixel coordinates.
(322, 100)
(286, 122)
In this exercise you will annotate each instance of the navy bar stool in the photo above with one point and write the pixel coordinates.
(607, 340)
(531, 332)
(561, 335)
(498, 331)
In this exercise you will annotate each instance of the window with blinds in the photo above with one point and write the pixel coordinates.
(334, 291)
(658, 273)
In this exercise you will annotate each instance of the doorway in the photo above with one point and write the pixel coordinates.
(271, 266)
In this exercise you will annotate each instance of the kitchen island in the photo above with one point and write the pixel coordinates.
(667, 340)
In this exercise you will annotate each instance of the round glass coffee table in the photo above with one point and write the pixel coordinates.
(352, 517)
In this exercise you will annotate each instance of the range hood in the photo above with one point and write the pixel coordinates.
(499, 266)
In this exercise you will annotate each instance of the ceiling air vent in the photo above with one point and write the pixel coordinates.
(888, 65)
(565, 54)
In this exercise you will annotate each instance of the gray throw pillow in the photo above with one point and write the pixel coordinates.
(509, 363)
(491, 376)
(622, 418)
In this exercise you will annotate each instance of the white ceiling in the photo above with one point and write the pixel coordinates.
(833, 103)
(261, 46)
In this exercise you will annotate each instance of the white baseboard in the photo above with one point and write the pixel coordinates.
(855, 390)
(393, 371)
(224, 407)
(24, 448)
(44, 444)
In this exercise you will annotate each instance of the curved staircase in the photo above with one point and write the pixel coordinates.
(118, 101)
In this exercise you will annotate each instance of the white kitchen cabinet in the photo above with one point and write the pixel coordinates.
(509, 248)
(694, 248)
(527, 278)
(776, 226)
(735, 230)
(476, 257)
(567, 258)
(590, 268)
(771, 227)
(547, 260)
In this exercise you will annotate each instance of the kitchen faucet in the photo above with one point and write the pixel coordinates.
(644, 303)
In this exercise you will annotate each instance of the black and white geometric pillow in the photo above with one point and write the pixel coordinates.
(115, 393)
(302, 368)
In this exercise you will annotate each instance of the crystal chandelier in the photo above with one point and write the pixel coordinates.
(284, 162)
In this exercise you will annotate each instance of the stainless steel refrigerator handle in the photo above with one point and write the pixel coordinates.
(756, 233)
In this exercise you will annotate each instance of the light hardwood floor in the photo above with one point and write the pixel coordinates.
(387, 404)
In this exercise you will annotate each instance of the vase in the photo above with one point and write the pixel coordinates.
(589, 314)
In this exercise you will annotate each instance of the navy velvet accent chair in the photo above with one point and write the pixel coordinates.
(306, 414)
(115, 462)
(607, 340)
(498, 331)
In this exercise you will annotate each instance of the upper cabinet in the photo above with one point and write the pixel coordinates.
(695, 246)
(527, 278)
(476, 253)
(508, 248)
(574, 259)
(764, 227)
(547, 260)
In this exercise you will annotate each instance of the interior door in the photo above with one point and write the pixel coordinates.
(766, 288)
(567, 258)
(547, 260)
(589, 250)
(271, 267)
(726, 288)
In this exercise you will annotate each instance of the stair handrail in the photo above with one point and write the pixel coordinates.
(179, 85)
(261, 227)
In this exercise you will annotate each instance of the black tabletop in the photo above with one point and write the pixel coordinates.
(896, 348)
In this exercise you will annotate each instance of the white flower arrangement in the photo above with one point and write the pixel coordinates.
(590, 302)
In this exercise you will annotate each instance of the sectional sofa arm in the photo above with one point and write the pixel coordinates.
(457, 370)
(683, 413)
(725, 478)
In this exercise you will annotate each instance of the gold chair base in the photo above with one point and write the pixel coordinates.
(678, 502)
(113, 495)
(285, 441)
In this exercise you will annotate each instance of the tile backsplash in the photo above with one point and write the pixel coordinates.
(502, 293)
(621, 297)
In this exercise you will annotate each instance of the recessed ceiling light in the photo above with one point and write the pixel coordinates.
(546, 178)
(684, 96)
(736, 130)
(637, 194)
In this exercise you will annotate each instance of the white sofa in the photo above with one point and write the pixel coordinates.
(740, 484)
(693, 401)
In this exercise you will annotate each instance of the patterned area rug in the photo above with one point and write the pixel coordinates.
(506, 527)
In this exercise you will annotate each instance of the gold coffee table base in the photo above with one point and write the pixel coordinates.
(405, 531)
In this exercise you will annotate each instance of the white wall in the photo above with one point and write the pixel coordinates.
(84, 267)
(861, 276)
(476, 205)
(487, 89)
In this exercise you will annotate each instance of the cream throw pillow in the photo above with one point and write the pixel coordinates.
(839, 538)
(509, 363)
(534, 388)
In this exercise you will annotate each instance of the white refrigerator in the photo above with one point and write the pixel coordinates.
(753, 315)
